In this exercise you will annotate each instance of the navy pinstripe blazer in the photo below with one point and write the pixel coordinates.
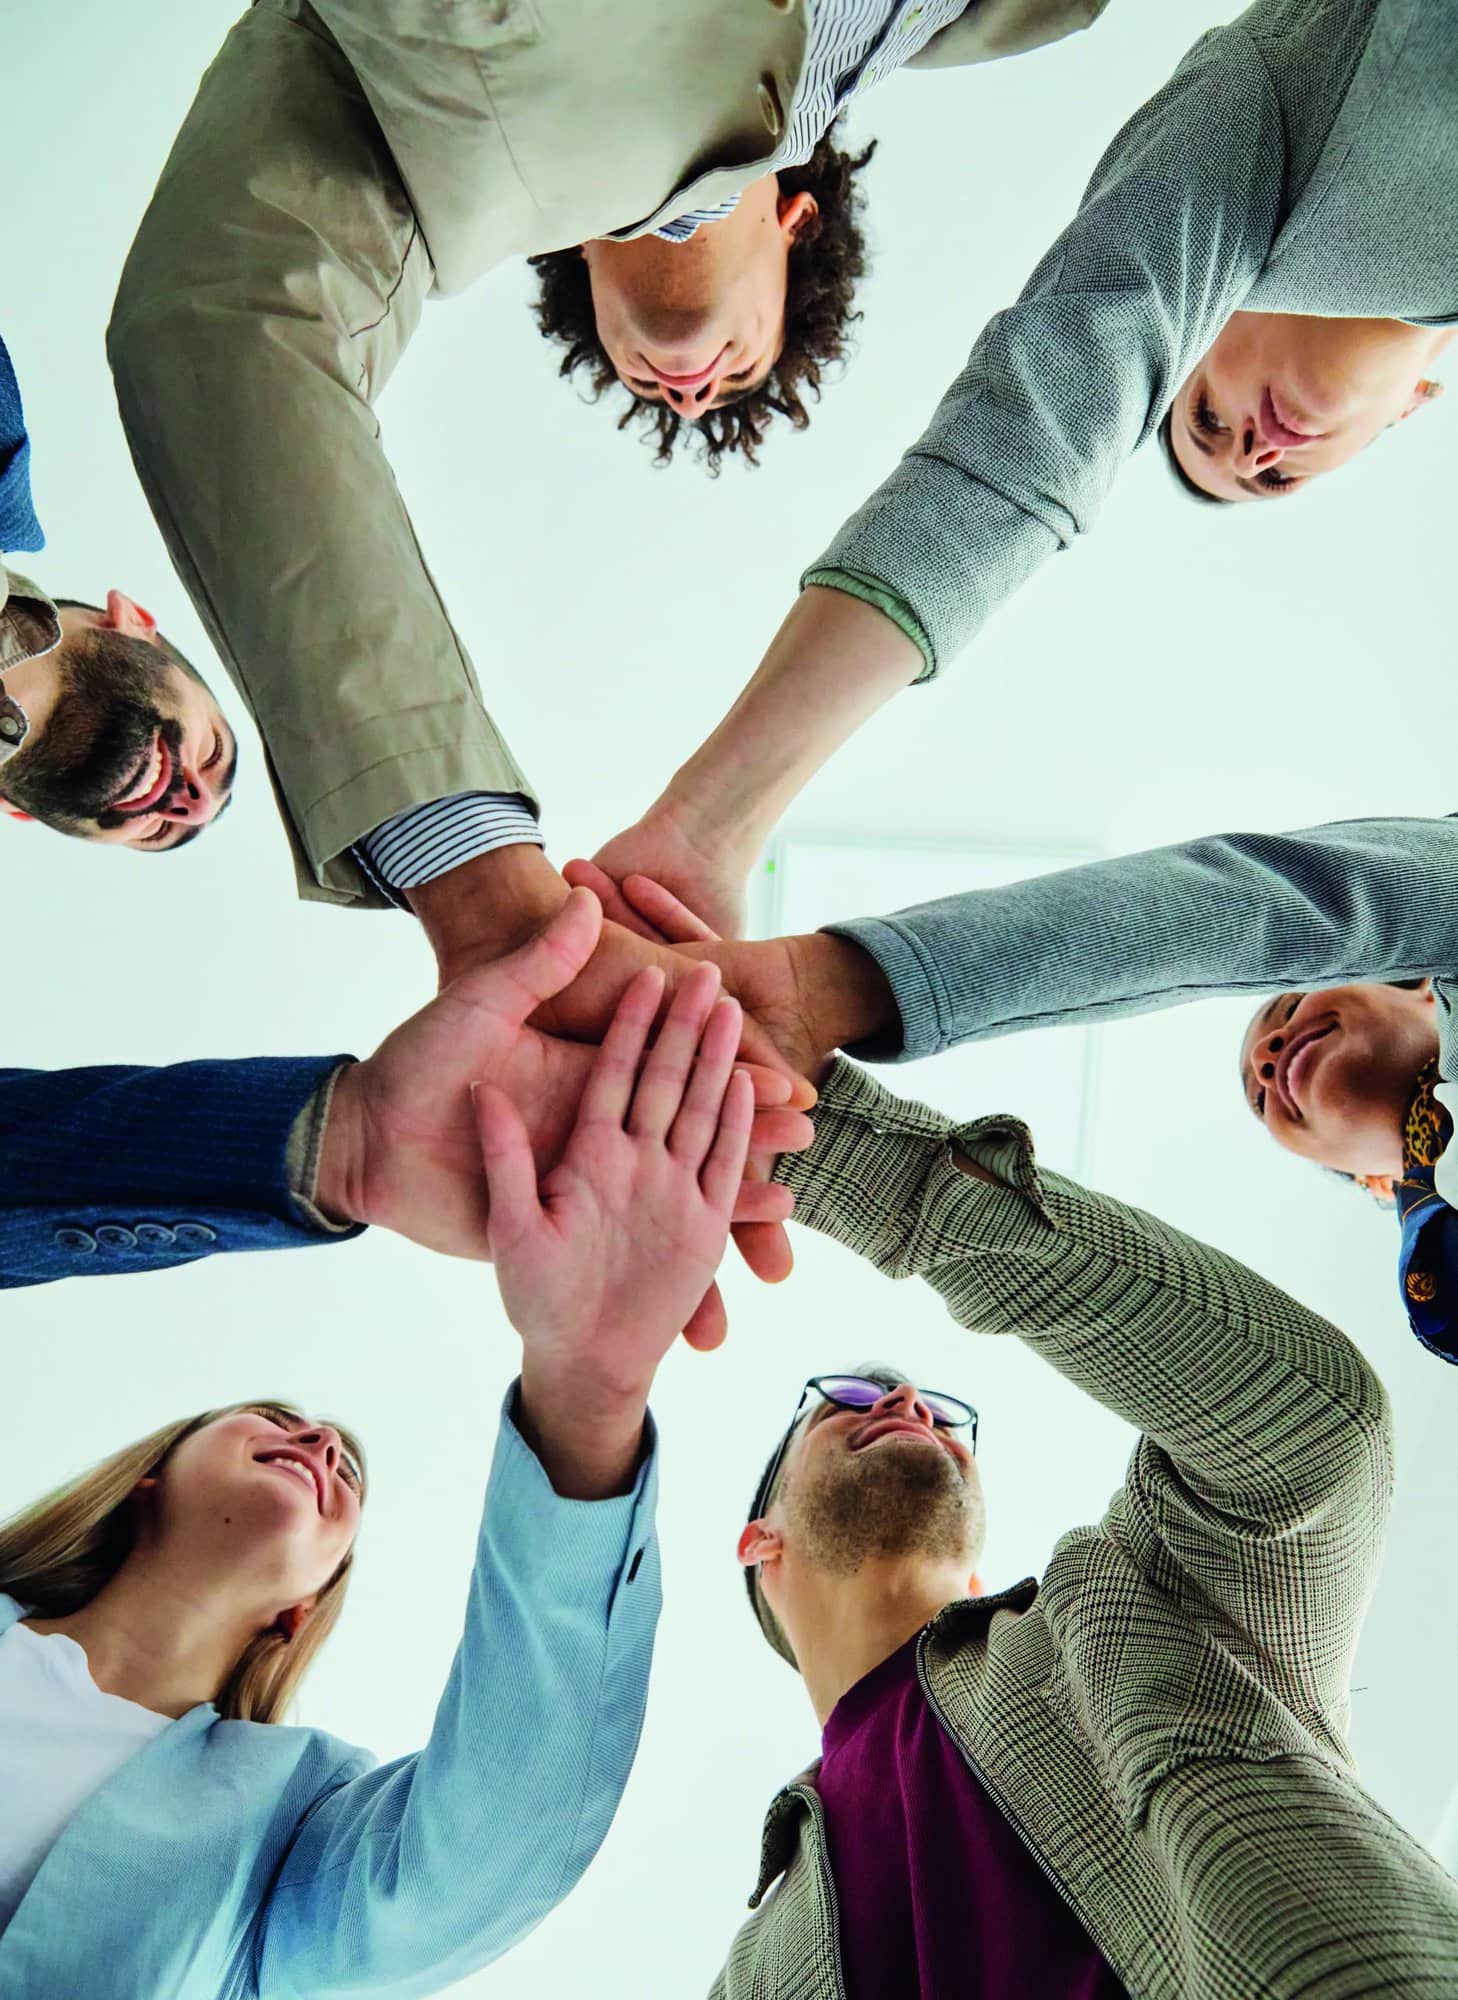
(126, 1169)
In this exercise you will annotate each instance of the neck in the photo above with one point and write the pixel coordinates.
(841, 1627)
(159, 1638)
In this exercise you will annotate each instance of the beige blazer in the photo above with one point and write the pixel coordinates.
(340, 163)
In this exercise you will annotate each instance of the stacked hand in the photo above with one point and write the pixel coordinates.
(401, 1146)
(603, 1259)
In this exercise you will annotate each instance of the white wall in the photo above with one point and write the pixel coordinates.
(1177, 674)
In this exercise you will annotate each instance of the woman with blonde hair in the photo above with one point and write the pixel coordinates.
(166, 1835)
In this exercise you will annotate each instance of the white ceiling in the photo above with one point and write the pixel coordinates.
(1175, 675)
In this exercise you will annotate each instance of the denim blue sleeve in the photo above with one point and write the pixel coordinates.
(412, 1875)
(116, 1169)
(1236, 913)
(19, 529)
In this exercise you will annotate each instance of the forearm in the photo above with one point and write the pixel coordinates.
(1157, 1326)
(259, 313)
(831, 665)
(589, 1445)
(1232, 914)
(489, 905)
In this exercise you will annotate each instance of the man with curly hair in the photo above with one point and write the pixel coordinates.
(343, 161)
(717, 331)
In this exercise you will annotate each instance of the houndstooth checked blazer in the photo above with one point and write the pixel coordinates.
(1163, 1719)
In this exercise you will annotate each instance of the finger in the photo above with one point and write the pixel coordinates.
(511, 1173)
(708, 1322)
(766, 1251)
(666, 1073)
(615, 905)
(724, 1169)
(756, 1047)
(780, 1130)
(696, 1124)
(763, 1201)
(672, 920)
(515, 986)
(771, 1086)
(609, 1088)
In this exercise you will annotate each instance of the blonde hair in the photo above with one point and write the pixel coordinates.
(57, 1554)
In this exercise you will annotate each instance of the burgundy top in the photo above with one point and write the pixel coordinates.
(939, 1898)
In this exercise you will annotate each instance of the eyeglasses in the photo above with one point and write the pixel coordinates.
(863, 1392)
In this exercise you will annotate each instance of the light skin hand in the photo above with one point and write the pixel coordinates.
(401, 1148)
(831, 665)
(493, 903)
(604, 1259)
(814, 993)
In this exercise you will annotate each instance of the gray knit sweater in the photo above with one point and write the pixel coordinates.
(1302, 159)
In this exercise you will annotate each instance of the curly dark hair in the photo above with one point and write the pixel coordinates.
(827, 257)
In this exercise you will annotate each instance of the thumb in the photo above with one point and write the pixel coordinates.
(516, 985)
(511, 1171)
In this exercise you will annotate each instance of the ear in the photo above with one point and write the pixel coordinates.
(794, 211)
(288, 1623)
(124, 615)
(1425, 392)
(14, 812)
(975, 1586)
(1381, 1187)
(759, 1543)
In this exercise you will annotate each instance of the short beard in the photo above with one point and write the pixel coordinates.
(105, 719)
(895, 1500)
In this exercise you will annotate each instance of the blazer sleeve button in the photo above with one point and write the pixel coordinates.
(112, 1236)
(153, 1235)
(79, 1241)
(193, 1235)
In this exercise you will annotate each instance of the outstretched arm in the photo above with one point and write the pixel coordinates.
(1262, 1481)
(406, 1878)
(1059, 390)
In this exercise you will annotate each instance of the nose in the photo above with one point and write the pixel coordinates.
(324, 1441)
(193, 801)
(691, 401)
(1254, 451)
(1263, 1055)
(903, 1401)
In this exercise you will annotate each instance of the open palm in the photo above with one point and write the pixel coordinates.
(604, 1259)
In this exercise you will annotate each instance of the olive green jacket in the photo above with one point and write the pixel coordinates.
(342, 162)
(1163, 1719)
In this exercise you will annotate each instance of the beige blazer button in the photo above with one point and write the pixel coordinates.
(783, 6)
(769, 109)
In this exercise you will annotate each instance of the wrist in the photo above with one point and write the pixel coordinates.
(850, 996)
(488, 905)
(589, 1442)
(339, 1180)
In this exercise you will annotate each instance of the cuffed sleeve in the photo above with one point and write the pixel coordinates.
(1237, 913)
(1064, 385)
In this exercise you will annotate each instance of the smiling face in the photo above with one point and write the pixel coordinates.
(1282, 398)
(126, 747)
(871, 1485)
(1331, 1074)
(264, 1495)
(695, 325)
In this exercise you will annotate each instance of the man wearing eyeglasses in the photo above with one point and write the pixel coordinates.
(1133, 1775)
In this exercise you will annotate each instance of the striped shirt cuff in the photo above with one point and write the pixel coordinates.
(425, 841)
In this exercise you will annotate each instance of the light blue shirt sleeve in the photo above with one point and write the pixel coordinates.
(411, 1875)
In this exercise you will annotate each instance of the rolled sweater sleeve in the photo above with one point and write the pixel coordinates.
(1064, 385)
(1230, 914)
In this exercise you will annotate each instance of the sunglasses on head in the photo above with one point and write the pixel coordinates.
(863, 1392)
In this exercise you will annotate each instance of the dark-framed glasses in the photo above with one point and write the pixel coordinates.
(863, 1392)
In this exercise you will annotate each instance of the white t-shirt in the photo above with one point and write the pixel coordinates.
(61, 1738)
